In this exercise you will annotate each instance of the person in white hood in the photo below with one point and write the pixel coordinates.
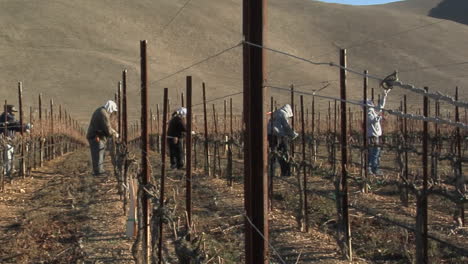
(280, 133)
(374, 132)
(98, 131)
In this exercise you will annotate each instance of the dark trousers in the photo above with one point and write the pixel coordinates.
(280, 145)
(98, 149)
(176, 152)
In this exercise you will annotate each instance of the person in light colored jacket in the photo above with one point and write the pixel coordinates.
(374, 132)
(98, 131)
(8, 128)
(280, 133)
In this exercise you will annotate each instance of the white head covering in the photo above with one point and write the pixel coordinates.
(182, 111)
(287, 110)
(110, 107)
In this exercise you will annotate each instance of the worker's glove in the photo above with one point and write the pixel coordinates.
(193, 132)
(28, 131)
(116, 135)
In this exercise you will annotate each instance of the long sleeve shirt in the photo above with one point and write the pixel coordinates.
(100, 125)
(374, 116)
(177, 127)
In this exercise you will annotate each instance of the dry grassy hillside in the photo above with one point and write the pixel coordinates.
(75, 51)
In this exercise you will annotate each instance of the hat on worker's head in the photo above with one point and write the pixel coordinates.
(11, 108)
(181, 111)
(110, 107)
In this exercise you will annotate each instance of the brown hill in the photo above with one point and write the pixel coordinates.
(75, 51)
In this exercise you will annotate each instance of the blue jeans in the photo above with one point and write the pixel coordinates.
(374, 155)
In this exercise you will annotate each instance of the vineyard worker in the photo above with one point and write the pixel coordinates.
(175, 133)
(374, 132)
(98, 131)
(279, 134)
(12, 126)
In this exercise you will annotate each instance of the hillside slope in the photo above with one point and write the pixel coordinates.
(75, 51)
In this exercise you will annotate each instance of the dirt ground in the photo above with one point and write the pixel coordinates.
(63, 214)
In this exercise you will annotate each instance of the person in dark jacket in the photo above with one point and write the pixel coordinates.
(98, 131)
(279, 135)
(8, 128)
(175, 133)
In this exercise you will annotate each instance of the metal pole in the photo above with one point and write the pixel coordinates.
(255, 160)
(124, 108)
(344, 156)
(230, 117)
(460, 178)
(119, 107)
(225, 115)
(293, 123)
(305, 207)
(163, 172)
(20, 99)
(188, 153)
(207, 156)
(52, 141)
(364, 133)
(421, 225)
(215, 121)
(405, 139)
(314, 147)
(145, 172)
(41, 143)
(158, 132)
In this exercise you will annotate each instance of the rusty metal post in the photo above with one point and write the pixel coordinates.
(5, 133)
(344, 158)
(41, 134)
(158, 130)
(314, 140)
(32, 144)
(225, 116)
(163, 172)
(119, 107)
(59, 132)
(422, 217)
(305, 207)
(293, 123)
(124, 108)
(52, 141)
(205, 118)
(182, 99)
(145, 171)
(215, 121)
(188, 155)
(460, 178)
(405, 140)
(255, 158)
(215, 143)
(21, 112)
(365, 151)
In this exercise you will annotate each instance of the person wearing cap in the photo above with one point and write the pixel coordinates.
(8, 128)
(280, 133)
(374, 132)
(98, 131)
(175, 133)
